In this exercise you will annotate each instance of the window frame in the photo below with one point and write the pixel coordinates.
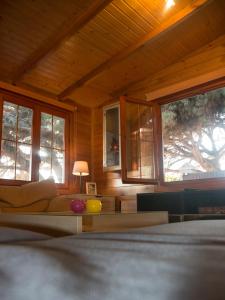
(155, 108)
(189, 92)
(38, 107)
(218, 182)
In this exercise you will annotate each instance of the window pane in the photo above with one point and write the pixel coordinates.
(52, 156)
(9, 121)
(139, 141)
(194, 137)
(45, 164)
(58, 132)
(146, 142)
(46, 130)
(23, 162)
(58, 166)
(25, 118)
(112, 146)
(7, 161)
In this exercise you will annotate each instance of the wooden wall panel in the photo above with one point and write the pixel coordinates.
(159, 53)
(82, 144)
(188, 72)
(25, 25)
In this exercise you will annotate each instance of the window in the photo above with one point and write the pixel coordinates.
(193, 131)
(138, 147)
(52, 148)
(175, 139)
(16, 144)
(34, 141)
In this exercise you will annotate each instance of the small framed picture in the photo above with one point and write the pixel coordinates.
(91, 188)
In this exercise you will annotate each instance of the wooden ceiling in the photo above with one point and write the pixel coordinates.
(88, 51)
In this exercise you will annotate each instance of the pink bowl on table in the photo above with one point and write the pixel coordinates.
(77, 205)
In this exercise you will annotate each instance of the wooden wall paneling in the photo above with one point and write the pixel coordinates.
(91, 96)
(25, 25)
(69, 63)
(156, 33)
(161, 53)
(83, 142)
(69, 27)
(72, 149)
(189, 72)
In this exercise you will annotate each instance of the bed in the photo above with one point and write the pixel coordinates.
(173, 261)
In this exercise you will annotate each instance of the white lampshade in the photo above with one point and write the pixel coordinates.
(80, 168)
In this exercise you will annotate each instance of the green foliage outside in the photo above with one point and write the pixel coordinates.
(194, 134)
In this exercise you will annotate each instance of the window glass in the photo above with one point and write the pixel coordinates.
(52, 151)
(25, 118)
(111, 158)
(8, 159)
(46, 130)
(15, 162)
(193, 132)
(9, 121)
(139, 141)
(58, 133)
(30, 150)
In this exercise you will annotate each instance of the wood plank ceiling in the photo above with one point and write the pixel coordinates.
(87, 51)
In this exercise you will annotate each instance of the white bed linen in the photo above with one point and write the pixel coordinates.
(174, 261)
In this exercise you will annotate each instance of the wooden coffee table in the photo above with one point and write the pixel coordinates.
(64, 223)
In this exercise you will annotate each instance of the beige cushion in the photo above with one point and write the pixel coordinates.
(34, 191)
(41, 205)
(60, 203)
(28, 193)
(5, 203)
(11, 194)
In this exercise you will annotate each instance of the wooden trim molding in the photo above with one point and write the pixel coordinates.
(178, 87)
(36, 96)
(191, 91)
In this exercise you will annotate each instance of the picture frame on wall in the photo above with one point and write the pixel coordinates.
(91, 188)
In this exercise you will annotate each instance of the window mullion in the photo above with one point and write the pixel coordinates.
(35, 143)
(17, 122)
(52, 145)
(1, 114)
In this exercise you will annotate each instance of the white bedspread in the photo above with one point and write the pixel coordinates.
(174, 261)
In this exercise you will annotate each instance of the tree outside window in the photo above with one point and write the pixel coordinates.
(27, 150)
(193, 133)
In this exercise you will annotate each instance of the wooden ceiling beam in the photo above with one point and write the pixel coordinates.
(71, 26)
(151, 36)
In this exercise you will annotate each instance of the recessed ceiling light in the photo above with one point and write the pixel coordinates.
(169, 4)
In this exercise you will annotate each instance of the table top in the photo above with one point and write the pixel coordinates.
(200, 215)
(70, 213)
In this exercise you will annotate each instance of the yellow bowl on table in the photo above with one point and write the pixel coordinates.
(93, 206)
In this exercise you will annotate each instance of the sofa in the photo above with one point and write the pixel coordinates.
(42, 197)
(34, 196)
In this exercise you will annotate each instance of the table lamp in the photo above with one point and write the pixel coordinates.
(80, 168)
